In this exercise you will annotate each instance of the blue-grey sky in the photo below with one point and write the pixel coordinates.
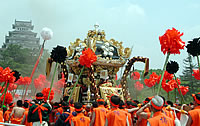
(137, 23)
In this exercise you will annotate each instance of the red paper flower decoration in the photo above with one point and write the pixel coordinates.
(175, 82)
(45, 92)
(87, 58)
(171, 42)
(149, 82)
(27, 80)
(168, 76)
(1, 75)
(196, 74)
(135, 75)
(183, 89)
(139, 86)
(153, 78)
(2, 89)
(60, 83)
(8, 98)
(12, 87)
(163, 81)
(24, 81)
(6, 75)
(41, 82)
(168, 86)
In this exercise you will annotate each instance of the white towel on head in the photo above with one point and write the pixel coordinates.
(158, 101)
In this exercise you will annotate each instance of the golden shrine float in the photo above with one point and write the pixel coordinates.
(99, 80)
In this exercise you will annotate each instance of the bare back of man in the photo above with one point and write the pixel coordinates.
(18, 112)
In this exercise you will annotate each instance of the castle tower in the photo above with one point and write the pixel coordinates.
(22, 35)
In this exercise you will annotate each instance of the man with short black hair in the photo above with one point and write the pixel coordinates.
(122, 106)
(117, 117)
(17, 113)
(194, 115)
(80, 119)
(39, 112)
(94, 104)
(99, 114)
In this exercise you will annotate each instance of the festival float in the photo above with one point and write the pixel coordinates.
(99, 80)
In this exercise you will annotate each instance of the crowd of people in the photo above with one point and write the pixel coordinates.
(153, 111)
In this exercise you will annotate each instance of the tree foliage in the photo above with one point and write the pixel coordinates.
(187, 79)
(22, 59)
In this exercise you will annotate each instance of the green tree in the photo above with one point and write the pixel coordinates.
(22, 59)
(187, 79)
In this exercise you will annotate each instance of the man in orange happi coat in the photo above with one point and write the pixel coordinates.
(194, 115)
(159, 118)
(8, 112)
(129, 112)
(99, 114)
(80, 119)
(166, 109)
(117, 117)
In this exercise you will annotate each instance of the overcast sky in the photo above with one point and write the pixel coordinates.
(137, 23)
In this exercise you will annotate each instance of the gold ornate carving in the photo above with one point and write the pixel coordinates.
(127, 52)
(75, 94)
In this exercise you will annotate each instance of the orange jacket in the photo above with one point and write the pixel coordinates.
(165, 111)
(1, 116)
(168, 113)
(81, 120)
(100, 115)
(117, 117)
(172, 114)
(129, 115)
(195, 115)
(160, 119)
(7, 115)
(26, 120)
